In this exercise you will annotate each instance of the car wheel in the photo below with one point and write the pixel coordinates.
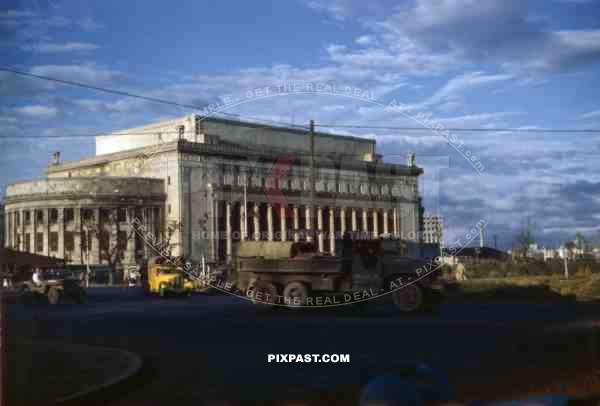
(264, 293)
(26, 295)
(408, 299)
(294, 293)
(53, 296)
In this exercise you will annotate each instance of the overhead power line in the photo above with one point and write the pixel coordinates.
(258, 120)
(138, 96)
(465, 129)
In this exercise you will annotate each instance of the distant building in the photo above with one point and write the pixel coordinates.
(433, 229)
(548, 254)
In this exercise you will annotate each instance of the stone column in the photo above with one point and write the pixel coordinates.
(256, 222)
(270, 222)
(46, 230)
(61, 232)
(6, 231)
(385, 222)
(309, 235)
(228, 230)
(396, 225)
(320, 228)
(22, 229)
(76, 255)
(95, 249)
(283, 223)
(375, 223)
(131, 234)
(242, 221)
(146, 224)
(296, 224)
(332, 231)
(365, 221)
(33, 228)
(354, 221)
(343, 221)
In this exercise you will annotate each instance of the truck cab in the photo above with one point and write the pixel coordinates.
(166, 275)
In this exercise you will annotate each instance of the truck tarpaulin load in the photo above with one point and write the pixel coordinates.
(294, 274)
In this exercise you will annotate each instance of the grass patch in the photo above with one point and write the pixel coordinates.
(579, 287)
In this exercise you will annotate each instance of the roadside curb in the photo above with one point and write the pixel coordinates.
(134, 362)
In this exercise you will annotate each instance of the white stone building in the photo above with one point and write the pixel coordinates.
(433, 229)
(187, 180)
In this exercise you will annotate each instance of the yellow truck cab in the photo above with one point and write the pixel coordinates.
(166, 276)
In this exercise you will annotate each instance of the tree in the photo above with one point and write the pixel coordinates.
(524, 238)
(112, 240)
(580, 242)
(570, 247)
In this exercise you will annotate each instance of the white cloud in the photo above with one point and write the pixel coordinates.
(37, 111)
(432, 36)
(81, 73)
(591, 114)
(47, 47)
(365, 40)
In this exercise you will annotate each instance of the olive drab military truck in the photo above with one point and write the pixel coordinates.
(294, 274)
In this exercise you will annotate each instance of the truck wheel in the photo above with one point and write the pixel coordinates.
(409, 298)
(26, 295)
(79, 297)
(295, 292)
(53, 296)
(264, 293)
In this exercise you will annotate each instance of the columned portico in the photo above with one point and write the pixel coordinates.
(50, 223)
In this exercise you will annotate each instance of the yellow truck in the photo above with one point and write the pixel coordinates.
(165, 276)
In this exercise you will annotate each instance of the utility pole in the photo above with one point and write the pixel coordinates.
(312, 180)
(245, 236)
(565, 261)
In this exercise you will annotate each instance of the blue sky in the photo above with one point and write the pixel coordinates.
(490, 64)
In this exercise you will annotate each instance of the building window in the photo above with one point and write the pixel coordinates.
(39, 216)
(122, 241)
(69, 215)
(18, 215)
(27, 219)
(169, 209)
(181, 131)
(27, 242)
(87, 215)
(39, 242)
(53, 241)
(168, 180)
(241, 180)
(363, 188)
(121, 214)
(69, 241)
(104, 240)
(228, 179)
(53, 216)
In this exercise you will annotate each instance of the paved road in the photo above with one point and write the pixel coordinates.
(216, 347)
